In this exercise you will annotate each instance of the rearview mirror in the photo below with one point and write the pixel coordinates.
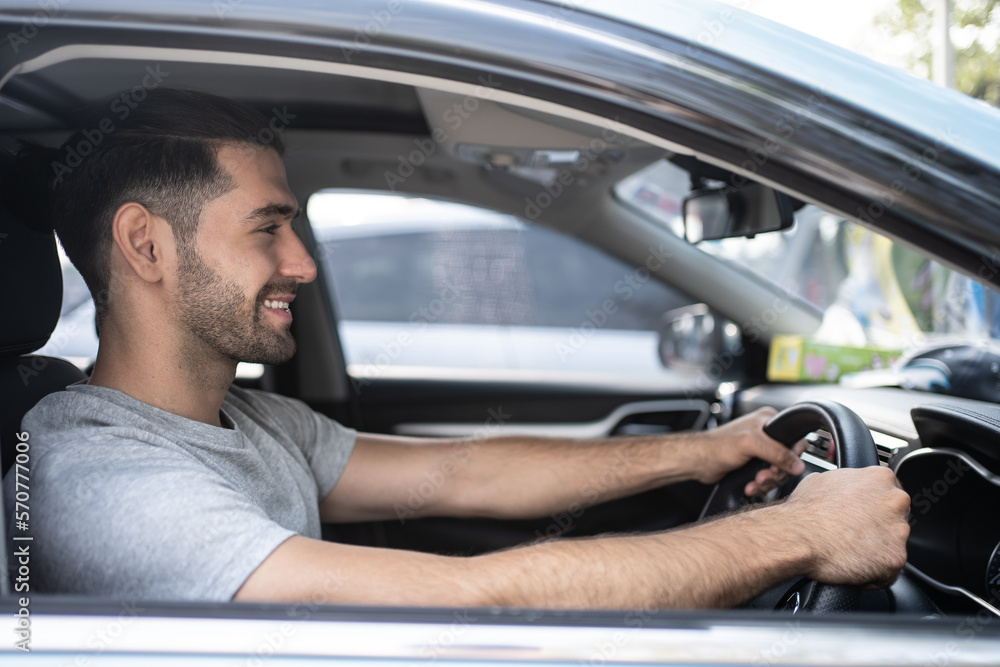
(728, 212)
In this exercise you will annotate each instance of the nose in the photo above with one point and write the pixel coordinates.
(295, 260)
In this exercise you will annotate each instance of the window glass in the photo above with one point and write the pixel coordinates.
(870, 289)
(658, 191)
(419, 282)
(75, 337)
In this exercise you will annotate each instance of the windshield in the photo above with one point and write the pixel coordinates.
(871, 290)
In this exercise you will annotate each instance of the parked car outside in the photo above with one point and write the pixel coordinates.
(436, 285)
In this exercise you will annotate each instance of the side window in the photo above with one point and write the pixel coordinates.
(438, 285)
(75, 337)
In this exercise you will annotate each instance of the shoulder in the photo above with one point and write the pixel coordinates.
(77, 405)
(102, 456)
(87, 422)
(90, 408)
(95, 436)
(80, 478)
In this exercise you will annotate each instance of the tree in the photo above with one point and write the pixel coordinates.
(975, 33)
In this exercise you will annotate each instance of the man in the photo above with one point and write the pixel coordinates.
(158, 479)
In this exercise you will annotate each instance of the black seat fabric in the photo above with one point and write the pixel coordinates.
(24, 381)
(31, 291)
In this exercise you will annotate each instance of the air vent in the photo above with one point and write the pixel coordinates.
(818, 444)
(887, 446)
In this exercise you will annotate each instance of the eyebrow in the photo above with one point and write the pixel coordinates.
(273, 210)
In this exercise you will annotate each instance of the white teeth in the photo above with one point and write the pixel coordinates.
(283, 305)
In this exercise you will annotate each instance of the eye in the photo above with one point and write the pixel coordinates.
(270, 229)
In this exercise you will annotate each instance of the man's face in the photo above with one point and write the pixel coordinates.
(237, 279)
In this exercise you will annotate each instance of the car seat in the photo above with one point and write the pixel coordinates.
(31, 286)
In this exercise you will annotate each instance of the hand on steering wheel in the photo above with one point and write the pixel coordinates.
(855, 449)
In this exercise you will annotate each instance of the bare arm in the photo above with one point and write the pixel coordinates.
(846, 526)
(523, 477)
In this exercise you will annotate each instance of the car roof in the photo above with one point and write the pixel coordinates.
(970, 126)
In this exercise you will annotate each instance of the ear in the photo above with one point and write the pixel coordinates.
(139, 236)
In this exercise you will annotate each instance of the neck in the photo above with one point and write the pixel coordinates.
(186, 378)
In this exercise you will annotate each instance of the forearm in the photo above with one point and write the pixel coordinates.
(524, 477)
(716, 564)
(518, 477)
(512, 477)
(859, 539)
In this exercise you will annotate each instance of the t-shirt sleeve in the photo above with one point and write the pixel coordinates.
(325, 444)
(163, 527)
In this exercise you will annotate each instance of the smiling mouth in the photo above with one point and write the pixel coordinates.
(277, 305)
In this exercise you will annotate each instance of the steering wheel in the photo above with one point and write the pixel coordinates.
(855, 449)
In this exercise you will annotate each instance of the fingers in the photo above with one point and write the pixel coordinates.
(745, 440)
(800, 447)
(768, 479)
(863, 539)
(774, 476)
(781, 458)
(770, 450)
(765, 480)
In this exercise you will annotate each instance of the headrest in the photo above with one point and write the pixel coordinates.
(30, 280)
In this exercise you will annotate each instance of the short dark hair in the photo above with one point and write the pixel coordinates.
(162, 154)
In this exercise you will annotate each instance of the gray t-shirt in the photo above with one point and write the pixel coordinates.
(130, 501)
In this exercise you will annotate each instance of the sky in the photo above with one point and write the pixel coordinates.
(850, 24)
(846, 23)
